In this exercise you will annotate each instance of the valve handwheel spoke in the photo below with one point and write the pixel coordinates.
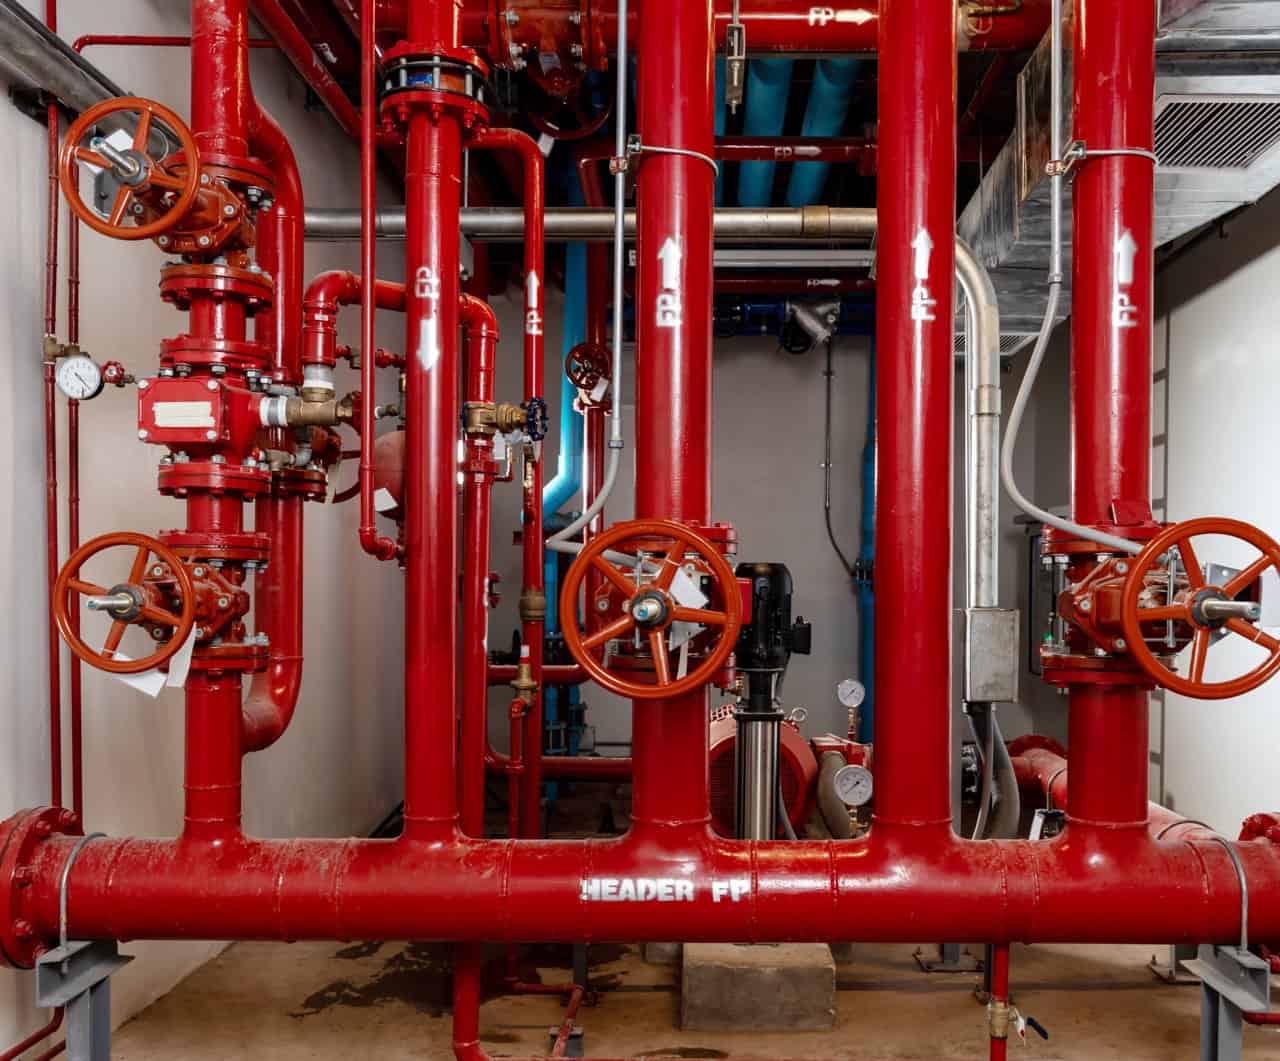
(70, 587)
(1205, 608)
(138, 172)
(656, 551)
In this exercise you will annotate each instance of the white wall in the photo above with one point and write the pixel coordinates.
(1219, 337)
(338, 769)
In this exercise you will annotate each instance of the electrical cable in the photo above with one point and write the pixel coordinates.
(784, 816)
(826, 467)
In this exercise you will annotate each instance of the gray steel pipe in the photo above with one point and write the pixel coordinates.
(30, 54)
(563, 224)
(756, 766)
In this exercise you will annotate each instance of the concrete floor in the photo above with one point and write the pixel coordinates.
(274, 1002)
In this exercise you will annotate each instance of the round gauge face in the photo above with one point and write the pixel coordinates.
(79, 377)
(854, 785)
(851, 692)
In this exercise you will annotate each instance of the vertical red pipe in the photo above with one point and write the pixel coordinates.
(914, 299)
(433, 204)
(213, 757)
(1000, 997)
(533, 588)
(481, 328)
(370, 540)
(675, 196)
(1112, 283)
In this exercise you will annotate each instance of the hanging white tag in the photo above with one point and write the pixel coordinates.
(685, 591)
(149, 682)
(682, 668)
(180, 663)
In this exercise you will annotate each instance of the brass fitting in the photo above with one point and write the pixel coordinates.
(999, 1015)
(523, 684)
(53, 349)
(298, 412)
(533, 605)
(489, 418)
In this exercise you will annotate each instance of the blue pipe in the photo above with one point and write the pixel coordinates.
(720, 122)
(768, 84)
(866, 558)
(824, 115)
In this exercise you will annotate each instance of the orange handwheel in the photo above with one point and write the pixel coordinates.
(641, 560)
(1195, 603)
(135, 168)
(135, 601)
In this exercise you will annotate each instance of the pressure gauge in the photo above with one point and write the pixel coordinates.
(79, 377)
(854, 785)
(851, 693)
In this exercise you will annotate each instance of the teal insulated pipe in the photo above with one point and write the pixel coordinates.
(824, 115)
(768, 85)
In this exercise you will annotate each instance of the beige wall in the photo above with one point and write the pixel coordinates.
(338, 770)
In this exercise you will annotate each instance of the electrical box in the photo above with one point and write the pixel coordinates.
(992, 654)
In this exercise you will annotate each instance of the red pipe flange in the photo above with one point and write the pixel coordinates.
(20, 839)
(144, 605)
(149, 174)
(1196, 605)
(650, 605)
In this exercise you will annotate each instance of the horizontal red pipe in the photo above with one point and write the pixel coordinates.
(902, 884)
(790, 26)
(131, 40)
(793, 149)
(325, 294)
(570, 767)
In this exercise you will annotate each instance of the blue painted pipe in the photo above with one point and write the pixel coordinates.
(720, 122)
(768, 84)
(824, 115)
(867, 555)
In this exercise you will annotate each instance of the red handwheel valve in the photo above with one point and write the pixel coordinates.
(1164, 603)
(135, 600)
(154, 190)
(663, 581)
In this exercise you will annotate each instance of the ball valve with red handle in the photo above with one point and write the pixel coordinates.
(1167, 599)
(662, 581)
(138, 599)
(156, 190)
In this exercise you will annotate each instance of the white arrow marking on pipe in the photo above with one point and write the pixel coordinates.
(670, 255)
(1126, 253)
(429, 343)
(856, 17)
(923, 246)
(532, 310)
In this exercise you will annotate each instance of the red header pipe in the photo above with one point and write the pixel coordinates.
(915, 297)
(903, 885)
(675, 200)
(1111, 336)
(325, 294)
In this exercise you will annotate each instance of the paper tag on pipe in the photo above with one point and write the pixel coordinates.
(180, 662)
(150, 682)
(682, 668)
(685, 591)
(382, 500)
(600, 390)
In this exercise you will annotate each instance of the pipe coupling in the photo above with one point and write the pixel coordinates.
(999, 1015)
(523, 684)
(533, 606)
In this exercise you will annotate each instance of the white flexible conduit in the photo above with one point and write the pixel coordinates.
(561, 541)
(1110, 541)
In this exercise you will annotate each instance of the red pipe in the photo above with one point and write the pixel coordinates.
(675, 198)
(1112, 325)
(533, 590)
(18, 1049)
(793, 26)
(794, 149)
(914, 310)
(561, 1044)
(324, 295)
(480, 326)
(51, 443)
(371, 541)
(555, 674)
(284, 31)
(132, 40)
(1091, 885)
(432, 218)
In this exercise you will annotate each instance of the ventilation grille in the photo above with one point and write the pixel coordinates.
(1215, 132)
(1010, 343)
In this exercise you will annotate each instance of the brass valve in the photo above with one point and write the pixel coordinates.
(491, 418)
(999, 1015)
(523, 684)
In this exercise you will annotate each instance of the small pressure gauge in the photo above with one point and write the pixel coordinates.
(851, 693)
(79, 377)
(854, 785)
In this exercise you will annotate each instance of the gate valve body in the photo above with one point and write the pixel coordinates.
(158, 593)
(1163, 608)
(665, 588)
(156, 187)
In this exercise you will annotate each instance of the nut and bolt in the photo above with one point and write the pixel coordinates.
(228, 210)
(218, 370)
(164, 241)
(218, 458)
(602, 604)
(204, 241)
(224, 602)
(204, 178)
(1122, 568)
(157, 570)
(212, 385)
(199, 572)
(1121, 645)
(211, 435)
(512, 17)
(143, 434)
(1086, 605)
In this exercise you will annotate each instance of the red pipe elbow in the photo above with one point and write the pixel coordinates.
(325, 294)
